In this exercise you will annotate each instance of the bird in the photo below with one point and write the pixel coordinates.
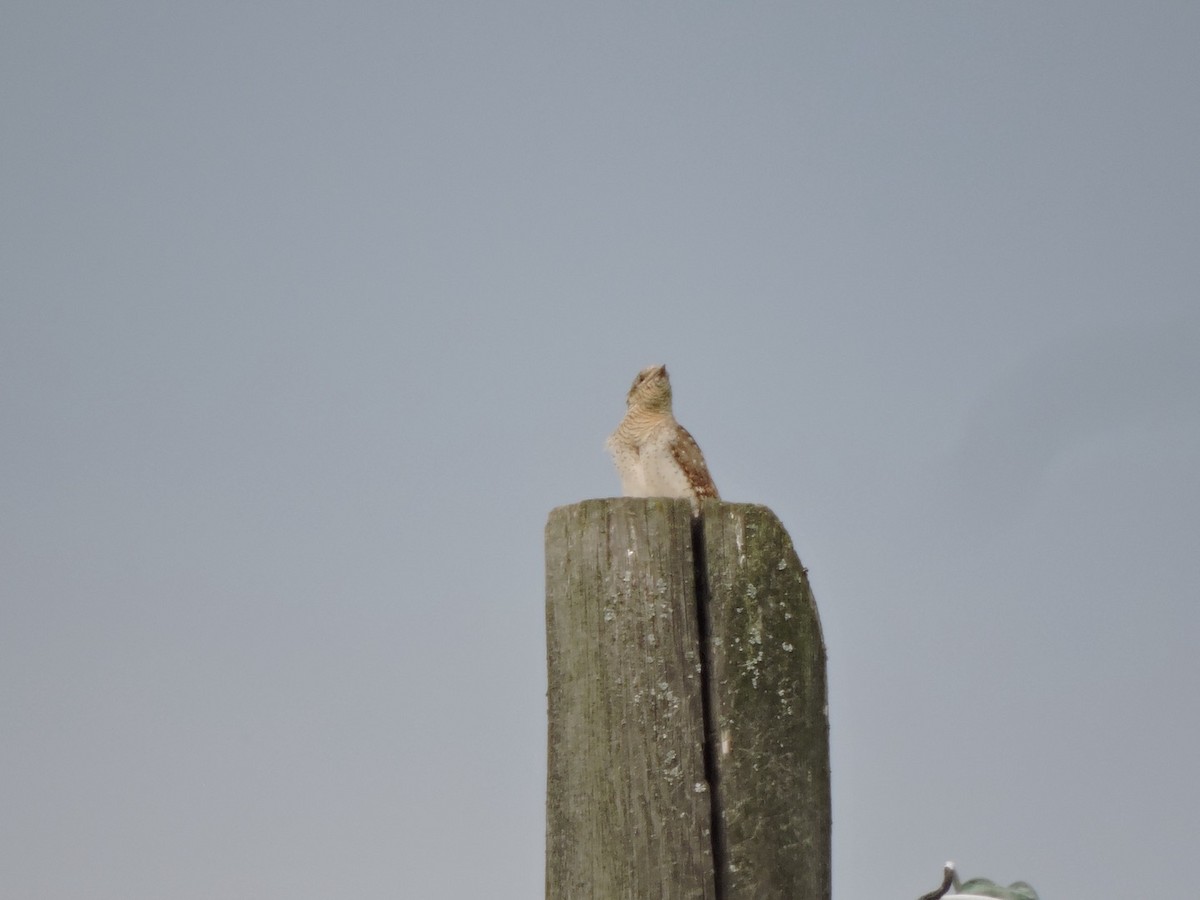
(654, 455)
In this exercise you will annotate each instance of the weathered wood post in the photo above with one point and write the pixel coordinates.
(688, 730)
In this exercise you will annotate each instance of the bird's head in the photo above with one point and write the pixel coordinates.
(651, 390)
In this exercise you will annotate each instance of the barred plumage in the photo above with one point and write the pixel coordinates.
(655, 455)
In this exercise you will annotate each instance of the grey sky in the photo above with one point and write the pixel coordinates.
(309, 315)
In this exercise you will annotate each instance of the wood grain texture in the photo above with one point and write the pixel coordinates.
(767, 703)
(628, 808)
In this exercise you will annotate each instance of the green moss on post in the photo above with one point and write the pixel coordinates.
(768, 707)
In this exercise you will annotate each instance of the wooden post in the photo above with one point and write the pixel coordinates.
(628, 811)
(688, 731)
(768, 708)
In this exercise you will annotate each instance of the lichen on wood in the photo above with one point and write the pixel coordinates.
(628, 809)
(688, 731)
(768, 704)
